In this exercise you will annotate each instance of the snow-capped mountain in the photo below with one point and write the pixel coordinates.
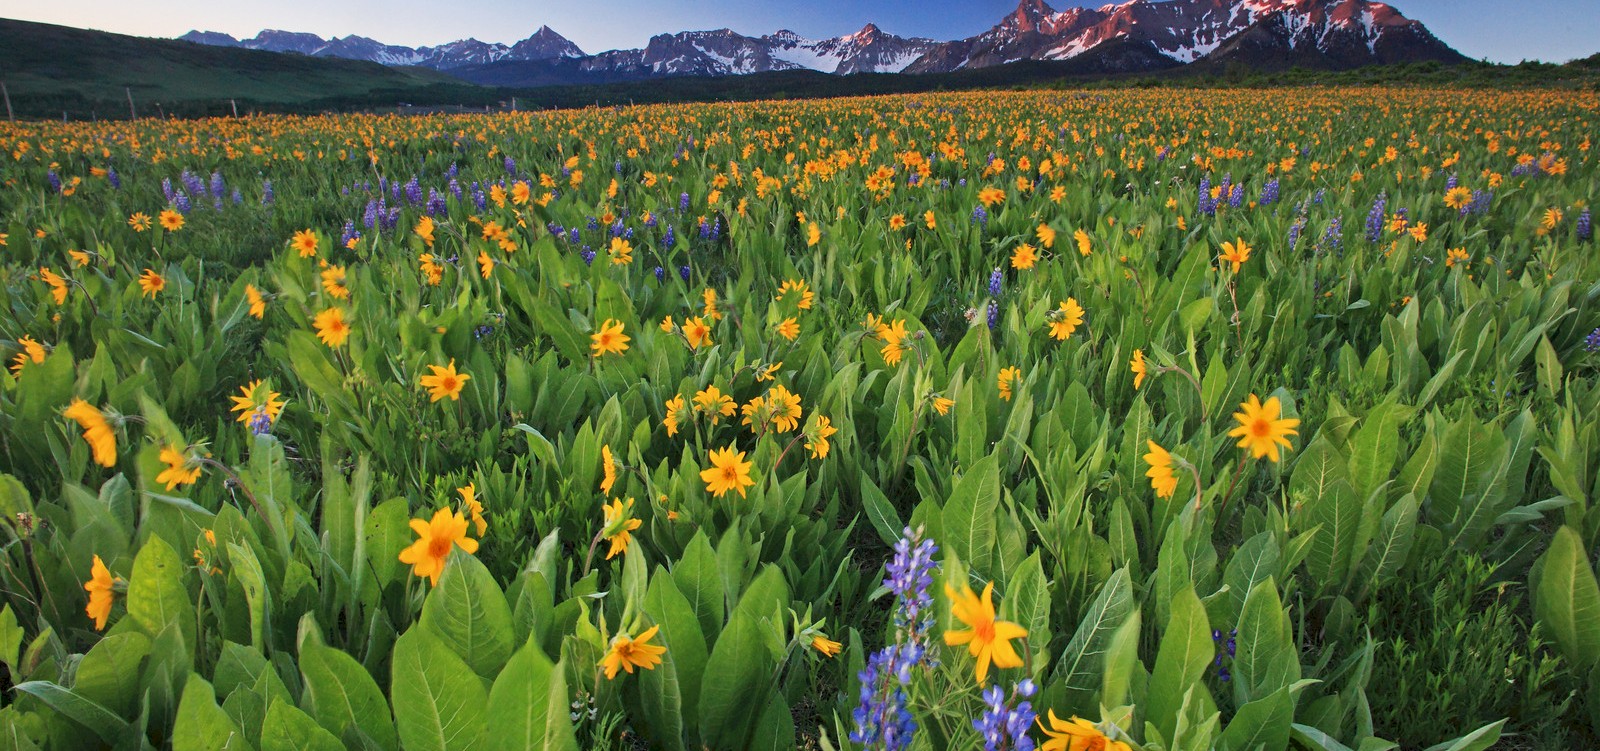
(544, 44)
(1127, 36)
(1188, 30)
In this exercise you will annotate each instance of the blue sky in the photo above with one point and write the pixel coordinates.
(1500, 30)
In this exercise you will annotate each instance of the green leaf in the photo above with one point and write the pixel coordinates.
(1122, 659)
(775, 729)
(1264, 660)
(1392, 546)
(10, 637)
(1376, 444)
(735, 685)
(1027, 601)
(685, 658)
(1469, 456)
(700, 582)
(528, 705)
(109, 673)
(1568, 599)
(1477, 740)
(879, 511)
(1321, 483)
(1261, 725)
(157, 599)
(970, 515)
(1181, 661)
(286, 728)
(247, 570)
(1084, 659)
(388, 532)
(469, 613)
(92, 715)
(201, 724)
(439, 703)
(342, 696)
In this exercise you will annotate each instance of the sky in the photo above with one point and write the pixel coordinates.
(1498, 30)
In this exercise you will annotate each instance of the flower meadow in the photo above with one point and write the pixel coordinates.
(1214, 419)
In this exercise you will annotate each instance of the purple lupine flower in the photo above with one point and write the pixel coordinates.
(1161, 155)
(914, 178)
(238, 197)
(1375, 218)
(995, 278)
(588, 256)
(994, 314)
(594, 224)
(483, 331)
(1204, 189)
(1269, 192)
(55, 180)
(1592, 341)
(510, 164)
(166, 189)
(683, 201)
(670, 239)
(113, 178)
(1333, 238)
(348, 234)
(1585, 225)
(391, 219)
(1005, 722)
(1295, 230)
(413, 192)
(573, 236)
(192, 183)
(617, 228)
(452, 172)
(1451, 182)
(218, 189)
(478, 198)
(683, 273)
(455, 187)
(369, 218)
(260, 423)
(617, 167)
(216, 203)
(881, 718)
(1236, 198)
(661, 275)
(266, 193)
(180, 202)
(980, 216)
(1317, 197)
(651, 220)
(436, 203)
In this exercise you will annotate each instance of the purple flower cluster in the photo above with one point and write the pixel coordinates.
(1375, 218)
(113, 178)
(1229, 646)
(980, 216)
(1005, 721)
(995, 277)
(260, 423)
(1269, 192)
(1585, 226)
(1592, 341)
(882, 719)
(1333, 237)
(1206, 205)
(994, 314)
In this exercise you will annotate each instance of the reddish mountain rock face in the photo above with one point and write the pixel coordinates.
(1124, 37)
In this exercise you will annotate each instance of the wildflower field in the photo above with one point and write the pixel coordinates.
(1226, 419)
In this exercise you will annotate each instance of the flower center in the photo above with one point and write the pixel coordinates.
(439, 547)
(730, 474)
(1260, 428)
(985, 631)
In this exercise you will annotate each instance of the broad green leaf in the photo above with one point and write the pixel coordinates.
(1568, 599)
(1321, 483)
(469, 613)
(202, 725)
(1186, 649)
(109, 673)
(735, 687)
(286, 728)
(1477, 740)
(1261, 725)
(343, 697)
(685, 658)
(700, 582)
(969, 515)
(92, 715)
(1083, 661)
(528, 705)
(157, 599)
(439, 703)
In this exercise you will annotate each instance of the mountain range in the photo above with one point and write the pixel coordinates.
(1124, 37)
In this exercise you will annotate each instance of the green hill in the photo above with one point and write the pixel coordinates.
(50, 69)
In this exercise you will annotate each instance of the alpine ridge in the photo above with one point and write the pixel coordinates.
(1123, 37)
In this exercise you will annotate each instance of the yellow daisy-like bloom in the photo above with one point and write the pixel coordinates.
(667, 325)
(1552, 217)
(621, 252)
(675, 414)
(32, 351)
(99, 586)
(520, 193)
(1066, 319)
(789, 329)
(1047, 236)
(171, 221)
(990, 196)
(710, 298)
(1455, 256)
(1009, 378)
(728, 471)
(609, 339)
(254, 399)
(813, 234)
(987, 639)
(424, 230)
(943, 405)
(714, 404)
(58, 286)
(79, 257)
(435, 539)
(150, 283)
(333, 283)
(1419, 232)
(180, 469)
(305, 243)
(929, 219)
(473, 506)
(1137, 365)
(828, 647)
(1024, 257)
(140, 221)
(817, 438)
(1261, 429)
(785, 408)
(96, 431)
(1077, 734)
(1082, 239)
(331, 327)
(444, 382)
(619, 525)
(626, 653)
(800, 286)
(608, 470)
(1236, 253)
(1457, 198)
(898, 221)
(697, 332)
(258, 304)
(1162, 478)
